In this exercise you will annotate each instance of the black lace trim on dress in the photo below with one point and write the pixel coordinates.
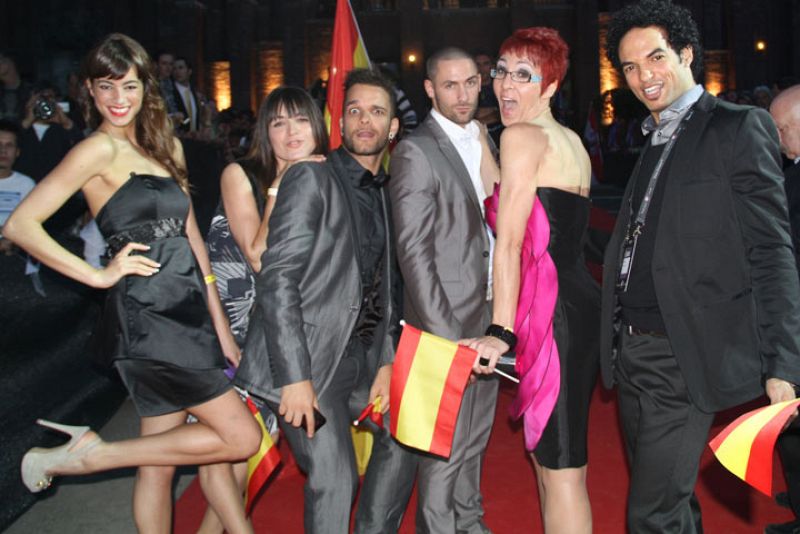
(146, 233)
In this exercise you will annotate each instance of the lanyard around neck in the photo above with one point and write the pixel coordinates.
(644, 207)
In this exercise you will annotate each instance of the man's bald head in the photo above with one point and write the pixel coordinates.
(785, 110)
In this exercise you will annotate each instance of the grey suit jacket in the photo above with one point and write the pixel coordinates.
(442, 246)
(308, 293)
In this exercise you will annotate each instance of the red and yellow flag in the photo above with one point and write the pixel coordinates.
(428, 381)
(348, 52)
(745, 447)
(261, 465)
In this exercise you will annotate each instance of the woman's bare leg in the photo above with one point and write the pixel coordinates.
(152, 491)
(223, 486)
(226, 432)
(564, 499)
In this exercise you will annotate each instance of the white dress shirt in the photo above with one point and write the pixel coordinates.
(466, 141)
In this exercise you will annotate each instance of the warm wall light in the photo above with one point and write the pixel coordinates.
(221, 83)
(609, 76)
(761, 45)
(412, 58)
(270, 66)
(717, 67)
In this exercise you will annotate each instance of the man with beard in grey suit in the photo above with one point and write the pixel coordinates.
(444, 253)
(322, 337)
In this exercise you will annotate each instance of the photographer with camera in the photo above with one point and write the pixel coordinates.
(46, 135)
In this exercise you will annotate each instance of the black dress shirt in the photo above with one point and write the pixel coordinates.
(365, 194)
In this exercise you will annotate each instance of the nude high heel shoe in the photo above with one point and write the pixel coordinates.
(38, 461)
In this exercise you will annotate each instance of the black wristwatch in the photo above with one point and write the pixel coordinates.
(503, 334)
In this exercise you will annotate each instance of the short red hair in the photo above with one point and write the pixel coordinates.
(544, 47)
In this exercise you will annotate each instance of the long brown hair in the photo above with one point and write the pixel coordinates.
(295, 101)
(112, 58)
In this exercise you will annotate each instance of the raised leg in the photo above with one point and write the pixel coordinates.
(226, 432)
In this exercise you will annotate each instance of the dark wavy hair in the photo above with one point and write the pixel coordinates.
(112, 58)
(544, 47)
(676, 21)
(293, 101)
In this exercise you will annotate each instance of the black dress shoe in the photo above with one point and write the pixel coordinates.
(792, 527)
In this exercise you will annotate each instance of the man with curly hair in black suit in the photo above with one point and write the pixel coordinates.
(701, 301)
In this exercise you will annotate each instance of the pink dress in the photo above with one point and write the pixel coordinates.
(537, 365)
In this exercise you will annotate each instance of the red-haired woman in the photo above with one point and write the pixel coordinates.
(545, 301)
(164, 329)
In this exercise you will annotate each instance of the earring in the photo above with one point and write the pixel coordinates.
(391, 136)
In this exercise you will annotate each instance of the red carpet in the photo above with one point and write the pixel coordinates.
(509, 489)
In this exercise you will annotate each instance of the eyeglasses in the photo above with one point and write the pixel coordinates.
(520, 76)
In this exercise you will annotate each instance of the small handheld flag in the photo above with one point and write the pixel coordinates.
(746, 446)
(373, 411)
(429, 376)
(261, 465)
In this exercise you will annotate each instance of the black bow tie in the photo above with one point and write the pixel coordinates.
(373, 180)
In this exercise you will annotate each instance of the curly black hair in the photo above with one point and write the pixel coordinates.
(676, 21)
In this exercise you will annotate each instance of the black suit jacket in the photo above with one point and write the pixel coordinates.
(308, 293)
(723, 268)
(181, 107)
(792, 174)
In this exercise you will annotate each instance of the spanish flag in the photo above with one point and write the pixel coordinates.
(745, 447)
(261, 465)
(348, 52)
(429, 376)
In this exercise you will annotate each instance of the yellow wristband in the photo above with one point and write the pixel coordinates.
(272, 192)
(210, 279)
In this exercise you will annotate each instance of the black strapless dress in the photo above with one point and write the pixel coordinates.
(576, 329)
(157, 331)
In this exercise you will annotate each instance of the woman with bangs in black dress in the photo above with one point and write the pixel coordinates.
(163, 327)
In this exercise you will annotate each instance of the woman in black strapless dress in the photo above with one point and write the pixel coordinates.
(544, 296)
(163, 327)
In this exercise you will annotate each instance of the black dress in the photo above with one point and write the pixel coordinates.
(576, 329)
(156, 330)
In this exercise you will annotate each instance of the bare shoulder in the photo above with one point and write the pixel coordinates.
(177, 152)
(98, 146)
(89, 158)
(523, 143)
(573, 137)
(523, 136)
(233, 175)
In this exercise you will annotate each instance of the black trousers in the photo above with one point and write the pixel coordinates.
(665, 435)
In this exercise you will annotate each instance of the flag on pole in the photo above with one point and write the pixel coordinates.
(429, 376)
(261, 465)
(348, 52)
(745, 447)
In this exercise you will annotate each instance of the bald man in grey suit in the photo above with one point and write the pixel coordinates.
(444, 252)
